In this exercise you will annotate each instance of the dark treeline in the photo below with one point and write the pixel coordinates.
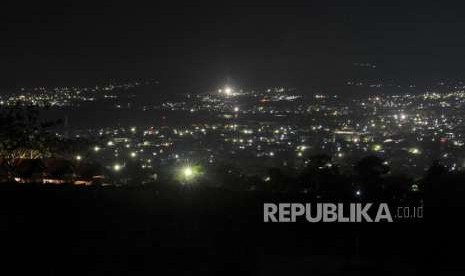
(199, 229)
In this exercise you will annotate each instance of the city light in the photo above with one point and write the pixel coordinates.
(228, 91)
(117, 167)
(377, 147)
(187, 172)
(260, 137)
(387, 124)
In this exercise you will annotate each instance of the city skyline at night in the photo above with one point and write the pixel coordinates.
(232, 137)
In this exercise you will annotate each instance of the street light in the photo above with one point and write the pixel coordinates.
(228, 91)
(187, 171)
(377, 147)
(116, 167)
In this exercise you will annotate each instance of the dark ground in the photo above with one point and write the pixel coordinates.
(139, 231)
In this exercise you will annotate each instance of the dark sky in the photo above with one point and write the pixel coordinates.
(200, 45)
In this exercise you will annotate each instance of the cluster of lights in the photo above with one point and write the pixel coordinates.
(228, 91)
(381, 119)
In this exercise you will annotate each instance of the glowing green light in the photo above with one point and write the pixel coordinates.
(414, 151)
(377, 147)
(188, 172)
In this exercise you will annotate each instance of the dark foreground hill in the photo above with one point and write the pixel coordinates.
(145, 231)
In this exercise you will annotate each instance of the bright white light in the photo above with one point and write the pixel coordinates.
(117, 167)
(96, 148)
(78, 157)
(358, 193)
(187, 172)
(228, 91)
(236, 109)
(133, 154)
(110, 143)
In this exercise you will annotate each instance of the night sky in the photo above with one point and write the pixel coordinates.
(199, 45)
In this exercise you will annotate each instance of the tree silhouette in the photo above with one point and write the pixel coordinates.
(369, 171)
(23, 135)
(322, 178)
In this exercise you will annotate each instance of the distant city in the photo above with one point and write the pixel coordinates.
(255, 129)
(232, 138)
